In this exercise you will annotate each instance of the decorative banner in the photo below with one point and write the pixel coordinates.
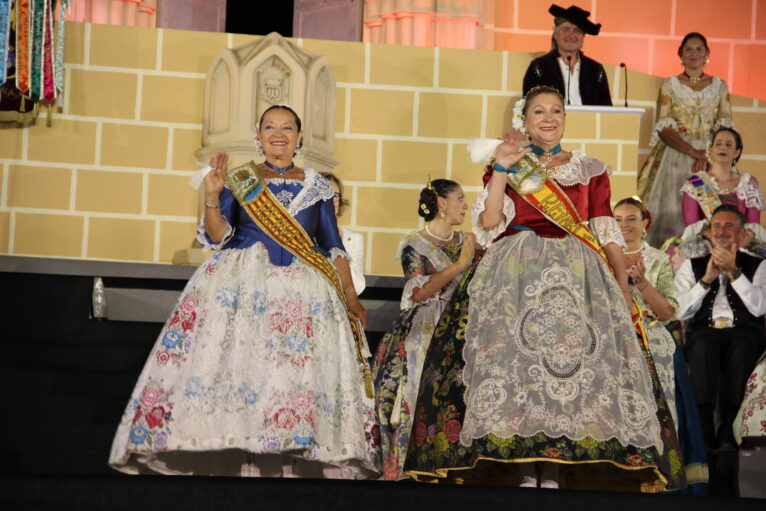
(32, 55)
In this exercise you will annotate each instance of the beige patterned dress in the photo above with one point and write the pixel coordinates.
(694, 115)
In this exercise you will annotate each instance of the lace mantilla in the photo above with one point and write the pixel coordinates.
(580, 169)
(607, 231)
(315, 188)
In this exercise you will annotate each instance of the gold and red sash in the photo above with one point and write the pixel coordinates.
(533, 184)
(252, 193)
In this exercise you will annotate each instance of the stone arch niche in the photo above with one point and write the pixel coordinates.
(243, 82)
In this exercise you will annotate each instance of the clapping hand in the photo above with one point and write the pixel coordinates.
(637, 272)
(725, 258)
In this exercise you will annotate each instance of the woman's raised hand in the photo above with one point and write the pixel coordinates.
(511, 150)
(215, 178)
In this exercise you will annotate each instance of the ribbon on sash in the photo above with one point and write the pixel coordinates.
(252, 193)
(37, 35)
(5, 34)
(703, 193)
(23, 11)
(537, 189)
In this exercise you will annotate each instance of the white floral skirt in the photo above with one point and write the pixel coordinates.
(550, 348)
(255, 373)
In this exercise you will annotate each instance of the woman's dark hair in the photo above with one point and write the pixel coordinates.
(635, 201)
(737, 139)
(692, 35)
(536, 91)
(334, 179)
(428, 205)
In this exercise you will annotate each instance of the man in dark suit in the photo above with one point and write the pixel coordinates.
(723, 296)
(588, 84)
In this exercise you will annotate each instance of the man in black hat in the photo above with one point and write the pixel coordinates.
(582, 81)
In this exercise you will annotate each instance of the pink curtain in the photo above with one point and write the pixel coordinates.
(139, 13)
(444, 23)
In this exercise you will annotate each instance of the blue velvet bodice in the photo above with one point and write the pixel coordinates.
(318, 220)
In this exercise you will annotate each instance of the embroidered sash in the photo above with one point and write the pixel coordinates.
(703, 193)
(253, 194)
(533, 184)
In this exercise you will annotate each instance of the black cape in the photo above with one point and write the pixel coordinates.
(594, 86)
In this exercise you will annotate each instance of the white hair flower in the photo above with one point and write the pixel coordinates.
(518, 116)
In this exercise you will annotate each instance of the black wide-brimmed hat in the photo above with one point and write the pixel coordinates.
(576, 16)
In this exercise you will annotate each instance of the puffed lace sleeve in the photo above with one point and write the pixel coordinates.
(724, 109)
(664, 112)
(607, 231)
(484, 237)
(415, 275)
(228, 209)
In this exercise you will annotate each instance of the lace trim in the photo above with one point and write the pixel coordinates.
(723, 122)
(580, 169)
(711, 91)
(484, 237)
(607, 231)
(661, 124)
(409, 286)
(339, 252)
(205, 241)
(315, 188)
(749, 191)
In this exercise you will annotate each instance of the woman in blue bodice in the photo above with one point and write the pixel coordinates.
(261, 368)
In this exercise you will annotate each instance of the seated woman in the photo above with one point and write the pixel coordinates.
(536, 357)
(433, 261)
(352, 240)
(721, 184)
(653, 289)
(260, 369)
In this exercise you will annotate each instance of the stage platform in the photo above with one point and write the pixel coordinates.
(221, 494)
(67, 367)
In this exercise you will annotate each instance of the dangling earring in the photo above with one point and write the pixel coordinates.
(707, 60)
(442, 213)
(643, 234)
(257, 141)
(298, 148)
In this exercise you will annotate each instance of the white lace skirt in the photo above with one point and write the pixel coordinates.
(255, 373)
(550, 348)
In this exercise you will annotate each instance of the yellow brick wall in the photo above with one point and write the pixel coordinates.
(108, 179)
